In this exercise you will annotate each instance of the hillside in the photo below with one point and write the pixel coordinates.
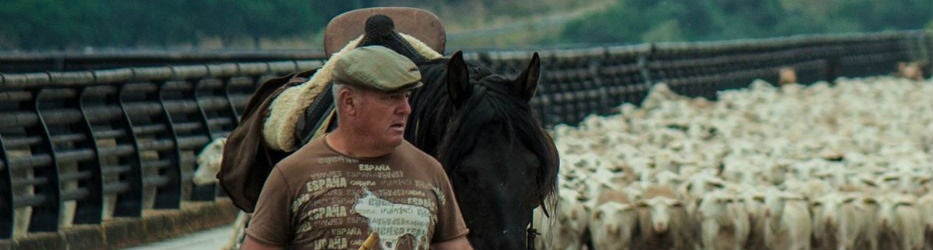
(479, 24)
(494, 24)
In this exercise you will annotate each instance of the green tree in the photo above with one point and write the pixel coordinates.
(42, 23)
(64, 24)
(877, 15)
(143, 23)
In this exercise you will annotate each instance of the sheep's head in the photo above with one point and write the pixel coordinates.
(613, 215)
(911, 70)
(825, 208)
(888, 208)
(787, 75)
(661, 210)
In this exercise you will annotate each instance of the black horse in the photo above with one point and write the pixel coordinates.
(480, 126)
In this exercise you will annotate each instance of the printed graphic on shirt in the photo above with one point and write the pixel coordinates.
(338, 206)
(392, 221)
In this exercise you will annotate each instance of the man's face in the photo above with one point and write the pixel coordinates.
(383, 116)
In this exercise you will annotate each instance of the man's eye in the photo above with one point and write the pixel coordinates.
(400, 96)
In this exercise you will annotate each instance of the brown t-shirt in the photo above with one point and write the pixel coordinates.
(317, 198)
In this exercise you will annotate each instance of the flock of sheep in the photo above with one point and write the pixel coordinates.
(845, 165)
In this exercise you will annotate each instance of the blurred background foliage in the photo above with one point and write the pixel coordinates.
(697, 20)
(84, 25)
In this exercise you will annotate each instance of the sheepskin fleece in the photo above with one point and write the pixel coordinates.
(279, 128)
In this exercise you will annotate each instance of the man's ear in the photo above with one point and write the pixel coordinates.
(348, 102)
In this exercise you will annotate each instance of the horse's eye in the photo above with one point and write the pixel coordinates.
(459, 178)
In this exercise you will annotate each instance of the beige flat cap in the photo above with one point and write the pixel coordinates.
(378, 68)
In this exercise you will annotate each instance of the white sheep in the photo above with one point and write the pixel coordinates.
(925, 207)
(612, 225)
(663, 221)
(818, 142)
(572, 219)
(838, 220)
(899, 222)
(911, 70)
(754, 200)
(208, 161)
(724, 221)
(787, 221)
(787, 75)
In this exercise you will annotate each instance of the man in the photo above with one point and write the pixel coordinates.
(363, 178)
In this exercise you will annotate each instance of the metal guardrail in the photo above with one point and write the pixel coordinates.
(24, 62)
(80, 147)
(77, 147)
(579, 82)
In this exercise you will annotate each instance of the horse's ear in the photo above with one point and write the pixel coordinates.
(458, 79)
(527, 82)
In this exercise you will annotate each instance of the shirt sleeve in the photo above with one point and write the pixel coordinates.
(271, 221)
(450, 224)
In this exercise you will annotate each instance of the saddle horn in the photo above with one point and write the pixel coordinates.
(380, 30)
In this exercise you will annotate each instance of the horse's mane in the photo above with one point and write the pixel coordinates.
(431, 105)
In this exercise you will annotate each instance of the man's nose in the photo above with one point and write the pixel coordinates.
(404, 108)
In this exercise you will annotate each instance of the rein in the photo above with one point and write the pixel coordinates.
(531, 234)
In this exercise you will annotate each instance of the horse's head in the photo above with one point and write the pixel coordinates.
(500, 161)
